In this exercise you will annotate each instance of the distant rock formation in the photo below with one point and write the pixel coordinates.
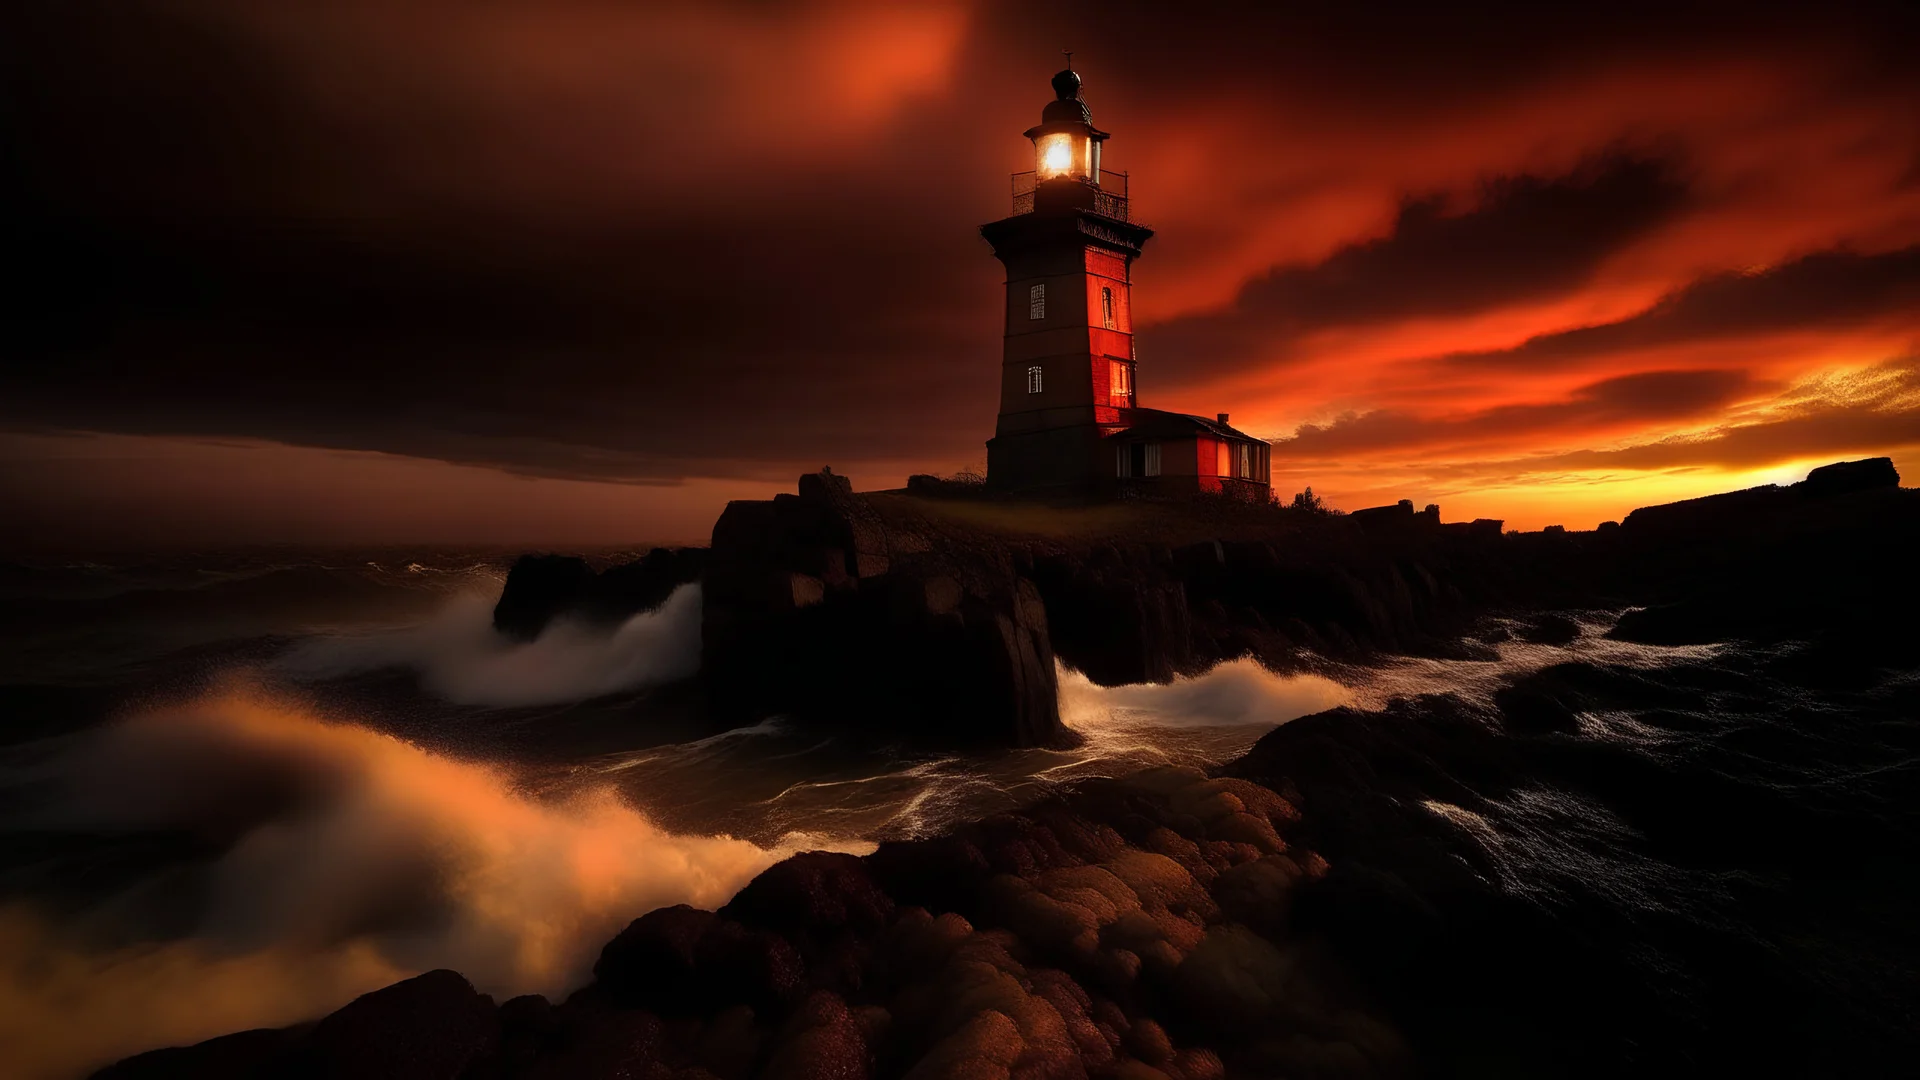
(541, 588)
(1768, 504)
(1847, 477)
(1760, 563)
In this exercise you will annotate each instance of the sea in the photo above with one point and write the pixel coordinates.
(238, 789)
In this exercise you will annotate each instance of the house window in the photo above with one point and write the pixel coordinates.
(1122, 389)
(1122, 461)
(1106, 306)
(1153, 460)
(1037, 302)
(1243, 460)
(1033, 380)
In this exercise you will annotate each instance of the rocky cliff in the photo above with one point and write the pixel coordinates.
(818, 608)
(938, 620)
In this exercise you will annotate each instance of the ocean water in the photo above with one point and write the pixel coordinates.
(236, 790)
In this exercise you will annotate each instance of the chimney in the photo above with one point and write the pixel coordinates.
(1223, 418)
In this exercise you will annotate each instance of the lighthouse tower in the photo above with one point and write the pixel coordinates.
(1069, 421)
(1066, 375)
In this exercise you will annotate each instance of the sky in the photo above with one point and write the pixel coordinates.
(579, 271)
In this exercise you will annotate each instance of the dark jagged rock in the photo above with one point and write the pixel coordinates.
(742, 965)
(1770, 506)
(815, 607)
(528, 1025)
(1763, 564)
(1847, 477)
(1122, 620)
(240, 1056)
(817, 896)
(538, 588)
(651, 963)
(431, 1027)
(541, 588)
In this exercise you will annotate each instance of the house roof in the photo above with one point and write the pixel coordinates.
(1160, 424)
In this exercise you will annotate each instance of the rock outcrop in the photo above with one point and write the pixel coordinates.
(816, 607)
(541, 588)
(431, 1027)
(878, 612)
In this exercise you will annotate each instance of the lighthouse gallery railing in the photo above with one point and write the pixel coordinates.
(1109, 198)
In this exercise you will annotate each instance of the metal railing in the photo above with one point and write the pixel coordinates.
(1109, 198)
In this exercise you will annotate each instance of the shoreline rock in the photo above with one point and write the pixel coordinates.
(887, 614)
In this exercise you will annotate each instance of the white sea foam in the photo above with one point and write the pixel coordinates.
(461, 658)
(1236, 693)
(347, 859)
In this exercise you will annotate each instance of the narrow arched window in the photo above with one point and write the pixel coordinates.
(1033, 380)
(1106, 306)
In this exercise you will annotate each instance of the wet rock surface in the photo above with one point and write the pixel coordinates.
(1135, 928)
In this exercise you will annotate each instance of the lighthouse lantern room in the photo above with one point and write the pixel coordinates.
(1066, 145)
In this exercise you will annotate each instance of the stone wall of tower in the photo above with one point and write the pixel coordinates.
(1048, 433)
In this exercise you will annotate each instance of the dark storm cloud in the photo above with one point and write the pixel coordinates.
(790, 327)
(1523, 238)
(532, 236)
(608, 359)
(1638, 398)
(1821, 291)
(211, 255)
(1422, 56)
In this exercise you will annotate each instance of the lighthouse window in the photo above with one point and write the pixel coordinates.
(1037, 305)
(1106, 306)
(1033, 379)
(1122, 383)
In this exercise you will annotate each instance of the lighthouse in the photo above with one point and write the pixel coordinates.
(1070, 419)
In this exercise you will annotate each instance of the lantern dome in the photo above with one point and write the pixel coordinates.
(1066, 106)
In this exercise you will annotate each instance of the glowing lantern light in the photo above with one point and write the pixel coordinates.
(1056, 155)
(1066, 145)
